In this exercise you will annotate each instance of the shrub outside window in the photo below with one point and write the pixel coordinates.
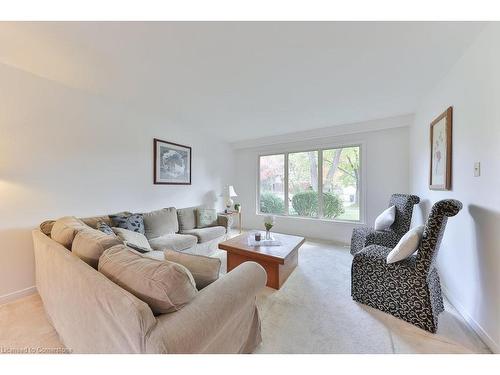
(322, 183)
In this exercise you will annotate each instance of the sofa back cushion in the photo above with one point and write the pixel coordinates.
(187, 218)
(160, 222)
(89, 244)
(206, 217)
(164, 286)
(205, 270)
(95, 220)
(65, 229)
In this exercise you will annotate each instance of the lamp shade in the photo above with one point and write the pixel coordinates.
(232, 193)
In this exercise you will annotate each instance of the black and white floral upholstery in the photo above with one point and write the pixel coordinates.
(409, 289)
(365, 236)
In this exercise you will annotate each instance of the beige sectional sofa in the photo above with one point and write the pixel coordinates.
(183, 234)
(92, 314)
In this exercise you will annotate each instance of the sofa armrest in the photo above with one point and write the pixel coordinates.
(224, 221)
(222, 318)
(90, 313)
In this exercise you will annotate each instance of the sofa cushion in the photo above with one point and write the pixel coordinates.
(205, 270)
(89, 244)
(136, 239)
(173, 241)
(164, 286)
(133, 222)
(187, 218)
(160, 222)
(94, 220)
(206, 234)
(155, 254)
(65, 229)
(206, 217)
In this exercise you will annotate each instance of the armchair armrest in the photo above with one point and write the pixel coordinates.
(220, 319)
(387, 238)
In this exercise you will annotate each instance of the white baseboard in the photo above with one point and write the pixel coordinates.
(6, 298)
(476, 327)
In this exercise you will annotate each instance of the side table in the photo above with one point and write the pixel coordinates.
(231, 214)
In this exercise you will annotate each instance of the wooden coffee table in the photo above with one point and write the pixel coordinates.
(278, 261)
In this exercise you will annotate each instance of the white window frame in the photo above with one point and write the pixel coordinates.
(319, 150)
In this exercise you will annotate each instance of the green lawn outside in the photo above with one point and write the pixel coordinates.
(351, 213)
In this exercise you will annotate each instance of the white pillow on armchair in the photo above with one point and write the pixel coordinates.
(407, 245)
(385, 219)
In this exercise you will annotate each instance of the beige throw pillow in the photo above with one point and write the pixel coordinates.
(163, 285)
(89, 244)
(134, 238)
(205, 270)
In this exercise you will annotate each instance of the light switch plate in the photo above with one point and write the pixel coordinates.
(477, 169)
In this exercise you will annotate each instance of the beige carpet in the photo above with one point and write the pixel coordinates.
(312, 313)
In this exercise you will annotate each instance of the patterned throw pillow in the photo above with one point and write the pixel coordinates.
(105, 228)
(134, 222)
(206, 217)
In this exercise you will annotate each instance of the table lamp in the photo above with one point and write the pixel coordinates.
(230, 194)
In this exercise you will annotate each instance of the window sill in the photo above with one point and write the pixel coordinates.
(350, 222)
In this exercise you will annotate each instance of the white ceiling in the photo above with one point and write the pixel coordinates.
(245, 80)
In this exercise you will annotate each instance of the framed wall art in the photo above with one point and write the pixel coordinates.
(172, 163)
(441, 144)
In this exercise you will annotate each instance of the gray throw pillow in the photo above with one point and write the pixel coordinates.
(206, 217)
(133, 222)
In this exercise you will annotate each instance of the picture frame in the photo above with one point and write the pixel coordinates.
(440, 151)
(172, 163)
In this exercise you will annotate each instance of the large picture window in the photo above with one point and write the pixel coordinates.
(323, 183)
(272, 184)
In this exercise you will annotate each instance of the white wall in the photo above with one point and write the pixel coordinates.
(384, 171)
(469, 257)
(67, 152)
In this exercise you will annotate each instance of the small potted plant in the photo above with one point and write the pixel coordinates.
(268, 223)
(237, 207)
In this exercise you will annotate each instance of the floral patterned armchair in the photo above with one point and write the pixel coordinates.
(408, 289)
(365, 236)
